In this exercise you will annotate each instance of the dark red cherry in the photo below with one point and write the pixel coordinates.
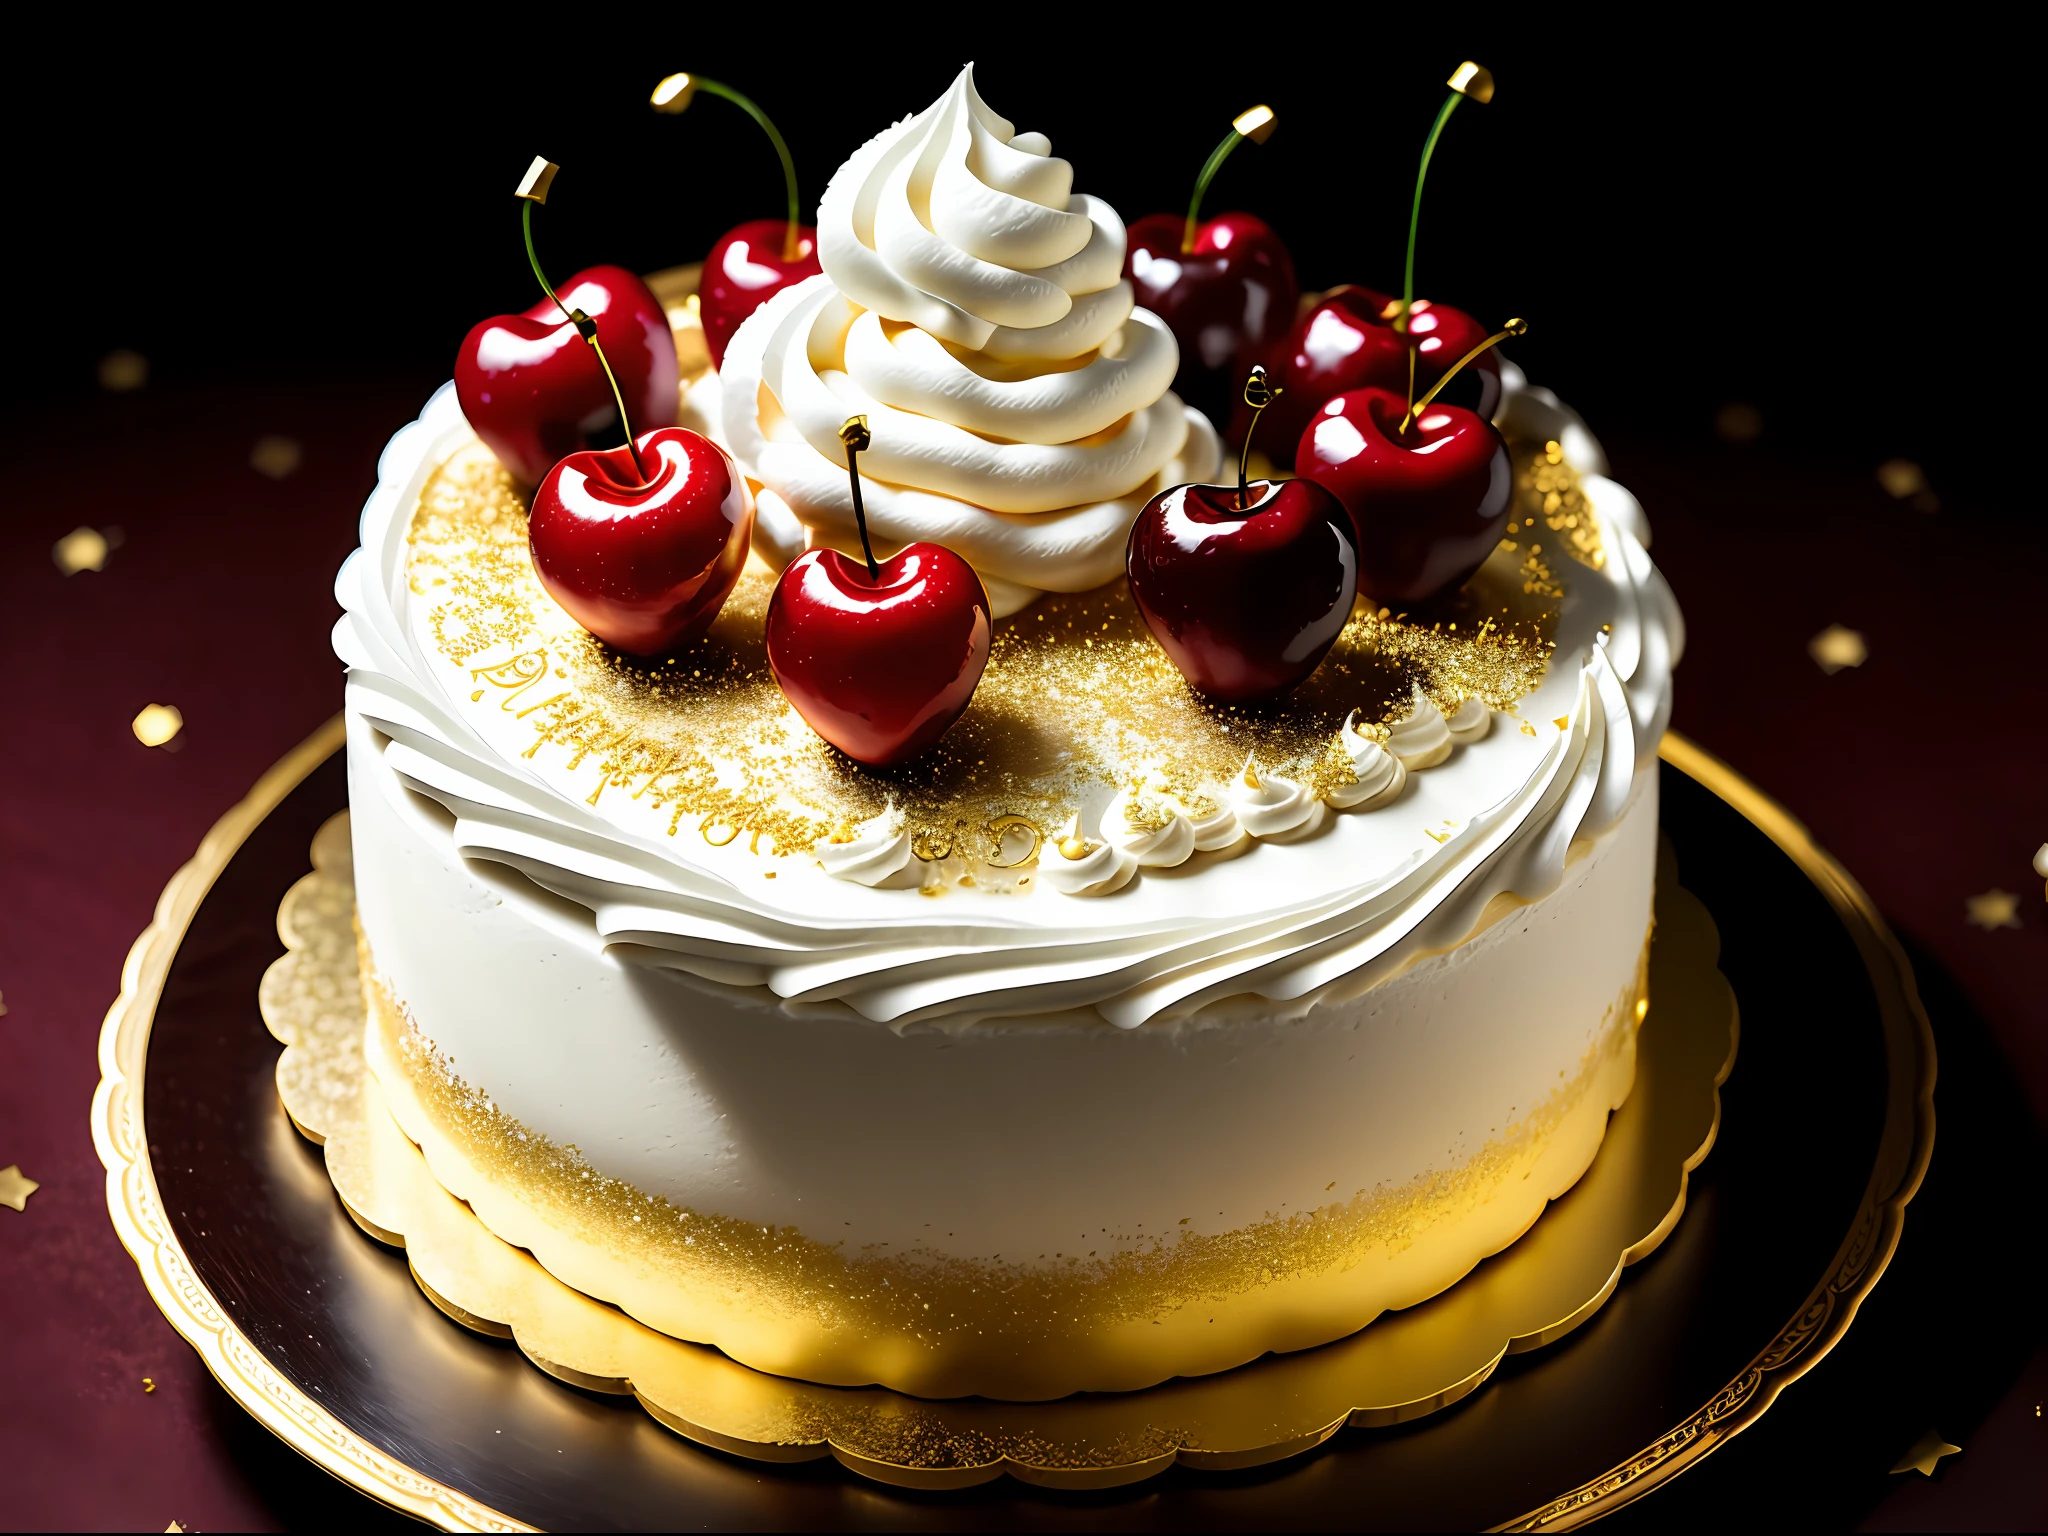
(1348, 341)
(1227, 302)
(1429, 504)
(1246, 600)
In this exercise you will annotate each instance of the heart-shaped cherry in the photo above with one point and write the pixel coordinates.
(1429, 504)
(1348, 341)
(534, 392)
(753, 262)
(1245, 587)
(879, 658)
(1226, 289)
(643, 562)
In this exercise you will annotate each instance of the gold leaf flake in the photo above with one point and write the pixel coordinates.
(16, 1187)
(1992, 910)
(1836, 647)
(122, 370)
(276, 457)
(1901, 478)
(82, 549)
(158, 724)
(1926, 1454)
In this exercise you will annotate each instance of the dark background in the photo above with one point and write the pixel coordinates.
(295, 217)
(1826, 229)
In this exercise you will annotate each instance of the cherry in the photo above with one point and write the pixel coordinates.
(1429, 503)
(1348, 341)
(1226, 289)
(754, 261)
(1245, 587)
(643, 561)
(879, 658)
(534, 392)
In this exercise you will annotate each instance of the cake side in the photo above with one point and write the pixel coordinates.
(1081, 1208)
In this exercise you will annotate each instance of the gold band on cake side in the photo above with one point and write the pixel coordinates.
(781, 1300)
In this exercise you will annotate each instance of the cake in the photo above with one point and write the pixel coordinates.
(1124, 1034)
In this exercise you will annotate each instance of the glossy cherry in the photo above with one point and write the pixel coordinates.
(1348, 341)
(744, 271)
(534, 392)
(1245, 599)
(1228, 302)
(1429, 504)
(643, 565)
(882, 665)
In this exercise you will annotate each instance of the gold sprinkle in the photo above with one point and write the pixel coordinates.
(1835, 648)
(16, 1187)
(1052, 726)
(276, 457)
(157, 725)
(122, 370)
(1993, 910)
(82, 549)
(148, 1385)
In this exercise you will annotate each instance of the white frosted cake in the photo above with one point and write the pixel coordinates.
(1124, 1035)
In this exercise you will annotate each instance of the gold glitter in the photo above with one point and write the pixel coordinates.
(1054, 727)
(937, 1300)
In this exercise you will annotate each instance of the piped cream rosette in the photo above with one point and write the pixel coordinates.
(972, 306)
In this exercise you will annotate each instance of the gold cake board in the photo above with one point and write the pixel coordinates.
(1405, 1365)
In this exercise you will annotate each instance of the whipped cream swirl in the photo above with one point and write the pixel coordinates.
(1271, 807)
(1420, 739)
(871, 853)
(1469, 722)
(1081, 866)
(972, 306)
(1378, 775)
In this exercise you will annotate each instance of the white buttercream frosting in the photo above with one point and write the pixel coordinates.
(1270, 806)
(878, 848)
(1083, 866)
(1420, 739)
(972, 306)
(1469, 721)
(1158, 834)
(1378, 776)
(1353, 902)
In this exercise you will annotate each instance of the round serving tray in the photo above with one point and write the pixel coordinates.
(1825, 1133)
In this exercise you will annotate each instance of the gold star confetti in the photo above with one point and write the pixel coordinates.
(1906, 481)
(1835, 648)
(1738, 422)
(1926, 1453)
(122, 370)
(82, 549)
(158, 724)
(1994, 909)
(16, 1187)
(276, 457)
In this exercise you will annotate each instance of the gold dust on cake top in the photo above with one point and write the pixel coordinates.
(1076, 702)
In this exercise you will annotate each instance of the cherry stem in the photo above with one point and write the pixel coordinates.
(1515, 327)
(854, 434)
(791, 240)
(1254, 123)
(1258, 394)
(1415, 213)
(587, 329)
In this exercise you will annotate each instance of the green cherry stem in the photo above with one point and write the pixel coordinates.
(532, 190)
(1467, 80)
(854, 434)
(1258, 394)
(676, 92)
(1254, 123)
